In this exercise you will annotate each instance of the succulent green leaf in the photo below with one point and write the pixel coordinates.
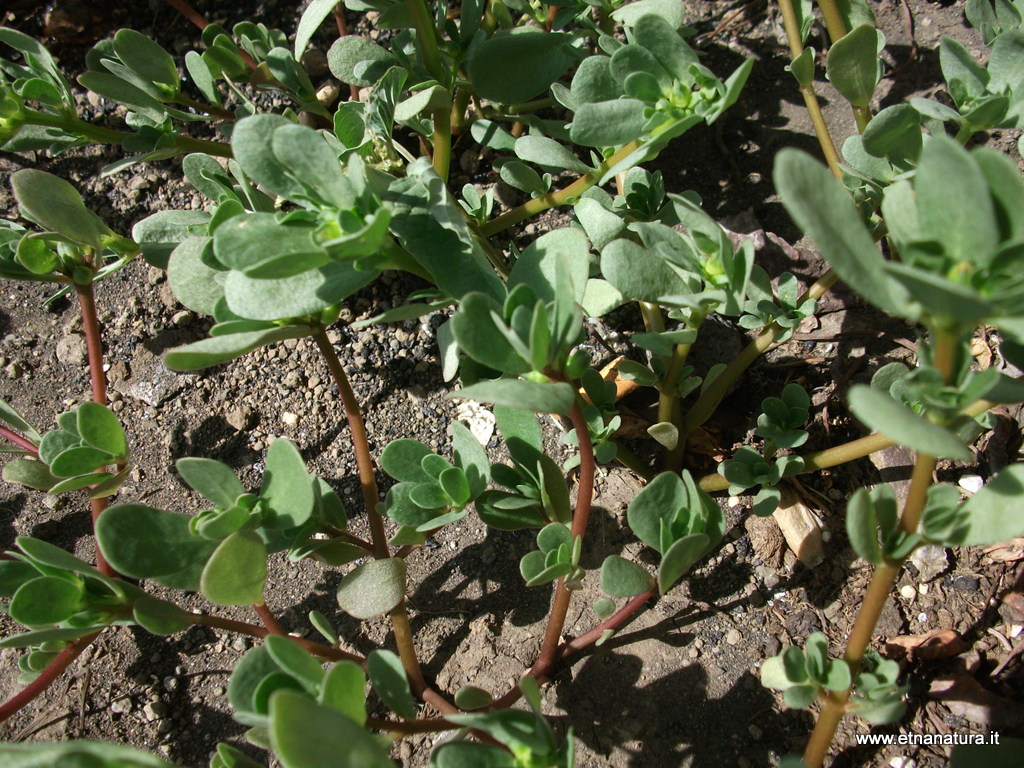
(387, 676)
(99, 427)
(77, 754)
(143, 542)
(79, 461)
(121, 91)
(640, 273)
(9, 414)
(39, 636)
(214, 480)
(295, 661)
(29, 472)
(608, 123)
(344, 689)
(195, 284)
(46, 600)
(853, 65)
(55, 205)
(540, 397)
(146, 58)
(624, 578)
(373, 588)
(470, 457)
(237, 571)
(287, 487)
(538, 265)
(962, 219)
(881, 413)
(659, 500)
(305, 734)
(822, 207)
(314, 15)
(465, 754)
(471, 697)
(994, 513)
(679, 558)
(159, 616)
(357, 61)
(252, 668)
(307, 293)
(862, 526)
(402, 459)
(540, 60)
(548, 154)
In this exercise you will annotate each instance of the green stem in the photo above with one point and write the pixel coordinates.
(460, 104)
(101, 135)
(654, 322)
(559, 197)
(833, 19)
(840, 454)
(406, 647)
(426, 34)
(442, 150)
(360, 444)
(863, 116)
(631, 461)
(882, 581)
(668, 401)
(713, 394)
(796, 47)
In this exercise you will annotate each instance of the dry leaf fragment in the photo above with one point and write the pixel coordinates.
(1007, 552)
(937, 644)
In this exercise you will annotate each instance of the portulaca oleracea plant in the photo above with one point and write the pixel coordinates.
(309, 204)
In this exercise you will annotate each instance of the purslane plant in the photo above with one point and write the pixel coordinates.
(312, 205)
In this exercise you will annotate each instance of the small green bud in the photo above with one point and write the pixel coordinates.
(578, 362)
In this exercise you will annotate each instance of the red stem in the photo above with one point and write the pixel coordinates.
(269, 619)
(614, 621)
(196, 18)
(360, 445)
(416, 726)
(317, 649)
(18, 440)
(46, 678)
(548, 658)
(98, 379)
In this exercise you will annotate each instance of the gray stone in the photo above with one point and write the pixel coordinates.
(72, 350)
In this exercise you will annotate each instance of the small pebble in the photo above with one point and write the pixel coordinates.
(733, 636)
(907, 592)
(966, 584)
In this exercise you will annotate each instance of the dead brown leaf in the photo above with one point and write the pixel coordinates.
(1008, 552)
(937, 644)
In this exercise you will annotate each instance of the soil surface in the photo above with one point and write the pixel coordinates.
(679, 685)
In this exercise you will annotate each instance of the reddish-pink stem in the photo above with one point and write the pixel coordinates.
(548, 658)
(98, 379)
(614, 621)
(18, 440)
(243, 628)
(269, 619)
(46, 678)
